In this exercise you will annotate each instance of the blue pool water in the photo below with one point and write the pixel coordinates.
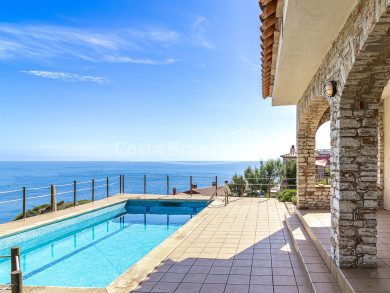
(93, 249)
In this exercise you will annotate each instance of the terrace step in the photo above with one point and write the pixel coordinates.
(316, 272)
(349, 280)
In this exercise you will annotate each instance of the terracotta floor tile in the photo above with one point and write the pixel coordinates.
(145, 286)
(326, 287)
(179, 269)
(287, 289)
(164, 287)
(194, 278)
(216, 279)
(188, 288)
(204, 262)
(241, 271)
(219, 270)
(261, 280)
(282, 271)
(223, 262)
(285, 281)
(238, 279)
(321, 278)
(237, 289)
(384, 283)
(214, 288)
(261, 263)
(257, 271)
(301, 280)
(260, 289)
(172, 277)
(242, 262)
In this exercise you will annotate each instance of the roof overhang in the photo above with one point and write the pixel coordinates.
(308, 30)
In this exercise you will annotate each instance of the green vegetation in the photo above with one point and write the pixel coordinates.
(291, 173)
(237, 186)
(46, 208)
(257, 180)
(288, 195)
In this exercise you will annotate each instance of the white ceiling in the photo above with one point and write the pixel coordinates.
(310, 26)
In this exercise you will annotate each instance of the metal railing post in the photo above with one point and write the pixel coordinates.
(16, 282)
(123, 183)
(120, 184)
(227, 197)
(15, 258)
(24, 203)
(242, 187)
(191, 184)
(144, 184)
(93, 190)
(269, 186)
(216, 182)
(108, 189)
(167, 185)
(74, 193)
(53, 200)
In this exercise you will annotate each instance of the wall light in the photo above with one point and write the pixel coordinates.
(330, 88)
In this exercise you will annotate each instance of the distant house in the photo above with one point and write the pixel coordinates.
(322, 160)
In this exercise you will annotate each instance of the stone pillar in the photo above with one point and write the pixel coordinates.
(354, 140)
(309, 117)
(381, 155)
(306, 170)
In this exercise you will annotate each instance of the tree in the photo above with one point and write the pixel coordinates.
(238, 185)
(291, 175)
(259, 179)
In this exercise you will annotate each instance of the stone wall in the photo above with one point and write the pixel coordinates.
(381, 156)
(319, 199)
(307, 127)
(360, 64)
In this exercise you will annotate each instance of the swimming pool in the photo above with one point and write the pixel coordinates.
(93, 249)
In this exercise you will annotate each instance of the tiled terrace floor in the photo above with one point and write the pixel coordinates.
(362, 280)
(243, 247)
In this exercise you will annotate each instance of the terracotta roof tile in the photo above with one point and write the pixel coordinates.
(269, 25)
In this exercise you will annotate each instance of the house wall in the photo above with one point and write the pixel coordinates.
(360, 64)
(386, 120)
(320, 198)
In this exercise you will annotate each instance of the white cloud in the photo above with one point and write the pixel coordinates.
(67, 76)
(199, 33)
(125, 45)
(246, 60)
(124, 59)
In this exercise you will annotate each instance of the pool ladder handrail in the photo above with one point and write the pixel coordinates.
(215, 194)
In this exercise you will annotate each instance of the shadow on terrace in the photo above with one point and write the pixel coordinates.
(243, 247)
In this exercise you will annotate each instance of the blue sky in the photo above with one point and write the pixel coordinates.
(136, 80)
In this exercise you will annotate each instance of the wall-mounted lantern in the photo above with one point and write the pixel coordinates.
(330, 88)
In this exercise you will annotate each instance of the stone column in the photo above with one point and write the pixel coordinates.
(354, 139)
(309, 117)
(306, 170)
(381, 156)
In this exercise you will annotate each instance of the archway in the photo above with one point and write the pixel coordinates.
(316, 112)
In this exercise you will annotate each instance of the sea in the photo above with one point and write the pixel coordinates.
(37, 178)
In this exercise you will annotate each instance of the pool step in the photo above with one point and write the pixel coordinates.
(316, 272)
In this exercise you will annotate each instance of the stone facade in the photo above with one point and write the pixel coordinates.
(319, 199)
(381, 156)
(306, 170)
(359, 61)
